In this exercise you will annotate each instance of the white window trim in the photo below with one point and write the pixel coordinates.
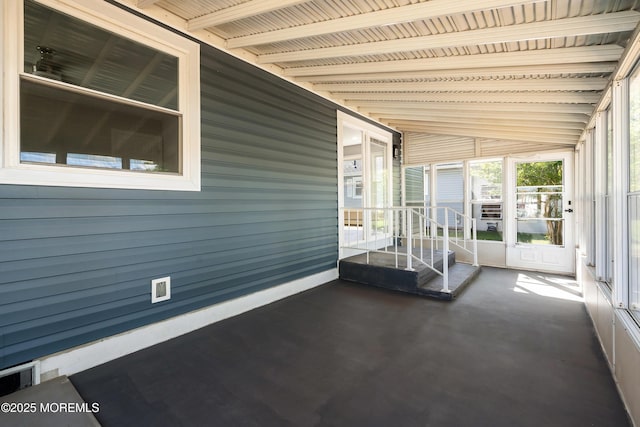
(118, 21)
(600, 189)
(620, 107)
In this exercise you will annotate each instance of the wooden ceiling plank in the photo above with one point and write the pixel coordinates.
(146, 3)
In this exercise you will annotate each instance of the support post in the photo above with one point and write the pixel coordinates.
(409, 228)
(445, 253)
(475, 242)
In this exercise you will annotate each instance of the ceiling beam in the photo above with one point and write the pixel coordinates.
(478, 97)
(520, 85)
(568, 27)
(499, 122)
(409, 126)
(396, 15)
(496, 72)
(565, 136)
(457, 107)
(240, 11)
(505, 59)
(146, 3)
(578, 119)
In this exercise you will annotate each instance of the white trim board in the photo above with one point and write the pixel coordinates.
(87, 356)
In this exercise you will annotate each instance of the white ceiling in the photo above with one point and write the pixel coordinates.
(519, 71)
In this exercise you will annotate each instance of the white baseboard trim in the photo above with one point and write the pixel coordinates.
(87, 356)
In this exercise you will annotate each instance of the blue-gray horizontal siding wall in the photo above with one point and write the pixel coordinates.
(76, 263)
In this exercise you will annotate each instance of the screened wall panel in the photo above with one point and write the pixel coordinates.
(77, 262)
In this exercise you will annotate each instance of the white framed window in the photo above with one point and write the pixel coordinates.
(633, 193)
(486, 184)
(94, 96)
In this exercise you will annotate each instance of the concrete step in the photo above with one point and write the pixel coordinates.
(381, 271)
(460, 276)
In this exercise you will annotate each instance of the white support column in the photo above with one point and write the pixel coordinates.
(589, 195)
(600, 190)
(620, 190)
(409, 234)
(445, 254)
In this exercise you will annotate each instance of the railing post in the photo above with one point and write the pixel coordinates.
(475, 242)
(396, 232)
(445, 254)
(408, 232)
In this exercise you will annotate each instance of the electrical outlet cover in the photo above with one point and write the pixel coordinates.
(160, 289)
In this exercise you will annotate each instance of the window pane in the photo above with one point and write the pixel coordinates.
(634, 250)
(608, 220)
(634, 134)
(450, 191)
(60, 47)
(75, 128)
(486, 198)
(486, 180)
(539, 204)
(540, 232)
(414, 186)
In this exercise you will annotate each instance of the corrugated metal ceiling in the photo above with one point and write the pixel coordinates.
(528, 71)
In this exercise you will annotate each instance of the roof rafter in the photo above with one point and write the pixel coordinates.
(477, 133)
(494, 116)
(480, 121)
(553, 84)
(146, 3)
(480, 97)
(455, 107)
(580, 26)
(240, 11)
(563, 55)
(494, 72)
(396, 15)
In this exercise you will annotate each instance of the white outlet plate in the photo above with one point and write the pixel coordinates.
(160, 289)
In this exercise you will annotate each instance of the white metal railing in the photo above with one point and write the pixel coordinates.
(460, 228)
(410, 234)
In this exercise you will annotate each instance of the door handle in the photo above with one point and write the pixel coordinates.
(568, 210)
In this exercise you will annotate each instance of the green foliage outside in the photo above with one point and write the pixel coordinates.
(541, 174)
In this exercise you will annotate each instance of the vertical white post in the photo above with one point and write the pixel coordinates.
(408, 233)
(445, 254)
(422, 225)
(620, 191)
(475, 242)
(366, 224)
(396, 232)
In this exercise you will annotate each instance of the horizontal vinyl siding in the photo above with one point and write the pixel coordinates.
(76, 263)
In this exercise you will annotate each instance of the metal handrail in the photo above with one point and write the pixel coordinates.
(462, 240)
(388, 227)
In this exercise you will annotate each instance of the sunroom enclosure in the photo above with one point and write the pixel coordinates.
(522, 206)
(240, 155)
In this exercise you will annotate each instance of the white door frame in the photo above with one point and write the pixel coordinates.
(557, 259)
(369, 131)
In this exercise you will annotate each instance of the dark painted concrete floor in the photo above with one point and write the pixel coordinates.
(343, 354)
